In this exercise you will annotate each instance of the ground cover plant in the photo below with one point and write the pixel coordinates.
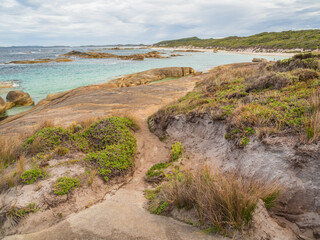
(265, 99)
(157, 172)
(65, 184)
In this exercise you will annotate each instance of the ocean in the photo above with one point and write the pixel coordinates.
(39, 80)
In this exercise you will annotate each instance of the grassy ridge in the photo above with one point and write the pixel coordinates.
(305, 39)
(266, 99)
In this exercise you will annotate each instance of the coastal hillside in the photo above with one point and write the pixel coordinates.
(231, 154)
(260, 120)
(303, 39)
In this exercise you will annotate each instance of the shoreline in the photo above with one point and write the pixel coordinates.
(244, 52)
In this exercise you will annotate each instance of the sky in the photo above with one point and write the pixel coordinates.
(99, 22)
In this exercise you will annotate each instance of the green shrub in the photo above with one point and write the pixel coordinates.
(109, 131)
(114, 145)
(32, 175)
(65, 184)
(113, 160)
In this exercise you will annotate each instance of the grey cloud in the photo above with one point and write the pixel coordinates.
(76, 22)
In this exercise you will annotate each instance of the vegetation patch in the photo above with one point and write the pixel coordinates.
(176, 151)
(109, 131)
(157, 172)
(32, 175)
(114, 145)
(256, 99)
(304, 39)
(109, 143)
(65, 184)
(223, 201)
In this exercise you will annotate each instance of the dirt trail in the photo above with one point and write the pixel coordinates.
(122, 214)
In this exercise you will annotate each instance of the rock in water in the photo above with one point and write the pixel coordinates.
(19, 98)
(2, 105)
(152, 75)
(259, 60)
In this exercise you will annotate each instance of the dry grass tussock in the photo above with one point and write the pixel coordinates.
(11, 153)
(85, 123)
(10, 150)
(224, 201)
(313, 118)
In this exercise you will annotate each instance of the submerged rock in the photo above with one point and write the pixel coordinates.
(19, 98)
(90, 54)
(140, 56)
(45, 60)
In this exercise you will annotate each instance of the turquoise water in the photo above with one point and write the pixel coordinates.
(39, 80)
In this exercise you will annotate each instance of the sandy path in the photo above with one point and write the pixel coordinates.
(122, 214)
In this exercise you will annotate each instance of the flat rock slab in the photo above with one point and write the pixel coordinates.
(98, 100)
(119, 217)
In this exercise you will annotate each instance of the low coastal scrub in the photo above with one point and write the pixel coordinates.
(109, 145)
(303, 39)
(65, 184)
(222, 201)
(257, 99)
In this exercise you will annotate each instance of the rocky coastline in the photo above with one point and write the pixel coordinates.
(156, 107)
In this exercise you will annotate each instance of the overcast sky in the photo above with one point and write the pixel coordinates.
(81, 22)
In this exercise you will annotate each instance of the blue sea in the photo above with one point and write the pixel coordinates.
(39, 80)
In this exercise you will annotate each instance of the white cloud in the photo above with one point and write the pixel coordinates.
(50, 22)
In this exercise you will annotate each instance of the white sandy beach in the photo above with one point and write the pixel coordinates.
(246, 51)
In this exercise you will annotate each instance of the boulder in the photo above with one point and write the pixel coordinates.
(89, 54)
(2, 105)
(145, 77)
(265, 227)
(19, 98)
